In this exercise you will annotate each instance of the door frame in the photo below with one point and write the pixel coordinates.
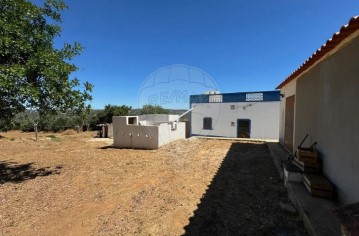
(249, 126)
(289, 123)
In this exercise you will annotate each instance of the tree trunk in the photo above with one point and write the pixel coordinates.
(36, 133)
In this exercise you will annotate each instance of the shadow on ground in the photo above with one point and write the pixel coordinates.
(15, 173)
(108, 147)
(244, 197)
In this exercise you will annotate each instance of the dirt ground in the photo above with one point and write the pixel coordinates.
(72, 184)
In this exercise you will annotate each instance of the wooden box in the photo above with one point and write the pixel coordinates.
(310, 167)
(307, 155)
(318, 185)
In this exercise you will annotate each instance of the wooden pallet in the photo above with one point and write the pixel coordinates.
(307, 155)
(318, 185)
(308, 166)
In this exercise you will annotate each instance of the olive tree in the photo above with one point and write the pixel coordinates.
(33, 73)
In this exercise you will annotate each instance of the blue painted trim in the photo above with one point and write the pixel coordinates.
(268, 96)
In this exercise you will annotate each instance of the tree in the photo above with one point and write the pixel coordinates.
(33, 73)
(152, 109)
(105, 116)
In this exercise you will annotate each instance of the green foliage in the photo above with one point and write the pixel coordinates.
(54, 122)
(105, 116)
(152, 109)
(34, 74)
(60, 122)
(111, 110)
(25, 121)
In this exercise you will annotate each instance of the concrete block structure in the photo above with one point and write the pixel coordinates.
(146, 131)
(105, 131)
(321, 99)
(252, 115)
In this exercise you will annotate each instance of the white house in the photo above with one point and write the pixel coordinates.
(238, 115)
(146, 131)
(321, 99)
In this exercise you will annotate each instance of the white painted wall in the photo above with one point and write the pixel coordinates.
(110, 131)
(264, 118)
(133, 136)
(167, 135)
(126, 135)
(326, 108)
(158, 118)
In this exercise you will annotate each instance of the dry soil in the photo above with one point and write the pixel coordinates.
(72, 184)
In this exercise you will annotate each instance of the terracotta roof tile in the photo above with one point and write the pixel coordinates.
(337, 38)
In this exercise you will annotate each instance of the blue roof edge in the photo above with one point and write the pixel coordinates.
(253, 96)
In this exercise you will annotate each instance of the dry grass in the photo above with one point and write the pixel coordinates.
(69, 132)
(103, 191)
(68, 185)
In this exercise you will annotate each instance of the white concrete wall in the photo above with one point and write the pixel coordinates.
(264, 118)
(167, 135)
(133, 136)
(157, 118)
(110, 131)
(144, 136)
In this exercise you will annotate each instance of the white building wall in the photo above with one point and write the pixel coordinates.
(127, 135)
(264, 117)
(327, 108)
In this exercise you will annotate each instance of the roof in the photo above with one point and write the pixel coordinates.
(345, 31)
(262, 96)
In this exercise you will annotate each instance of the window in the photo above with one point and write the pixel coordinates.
(215, 98)
(132, 120)
(233, 107)
(254, 97)
(207, 123)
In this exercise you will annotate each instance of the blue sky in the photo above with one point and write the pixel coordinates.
(239, 45)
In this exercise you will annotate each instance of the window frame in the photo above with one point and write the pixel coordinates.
(205, 125)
